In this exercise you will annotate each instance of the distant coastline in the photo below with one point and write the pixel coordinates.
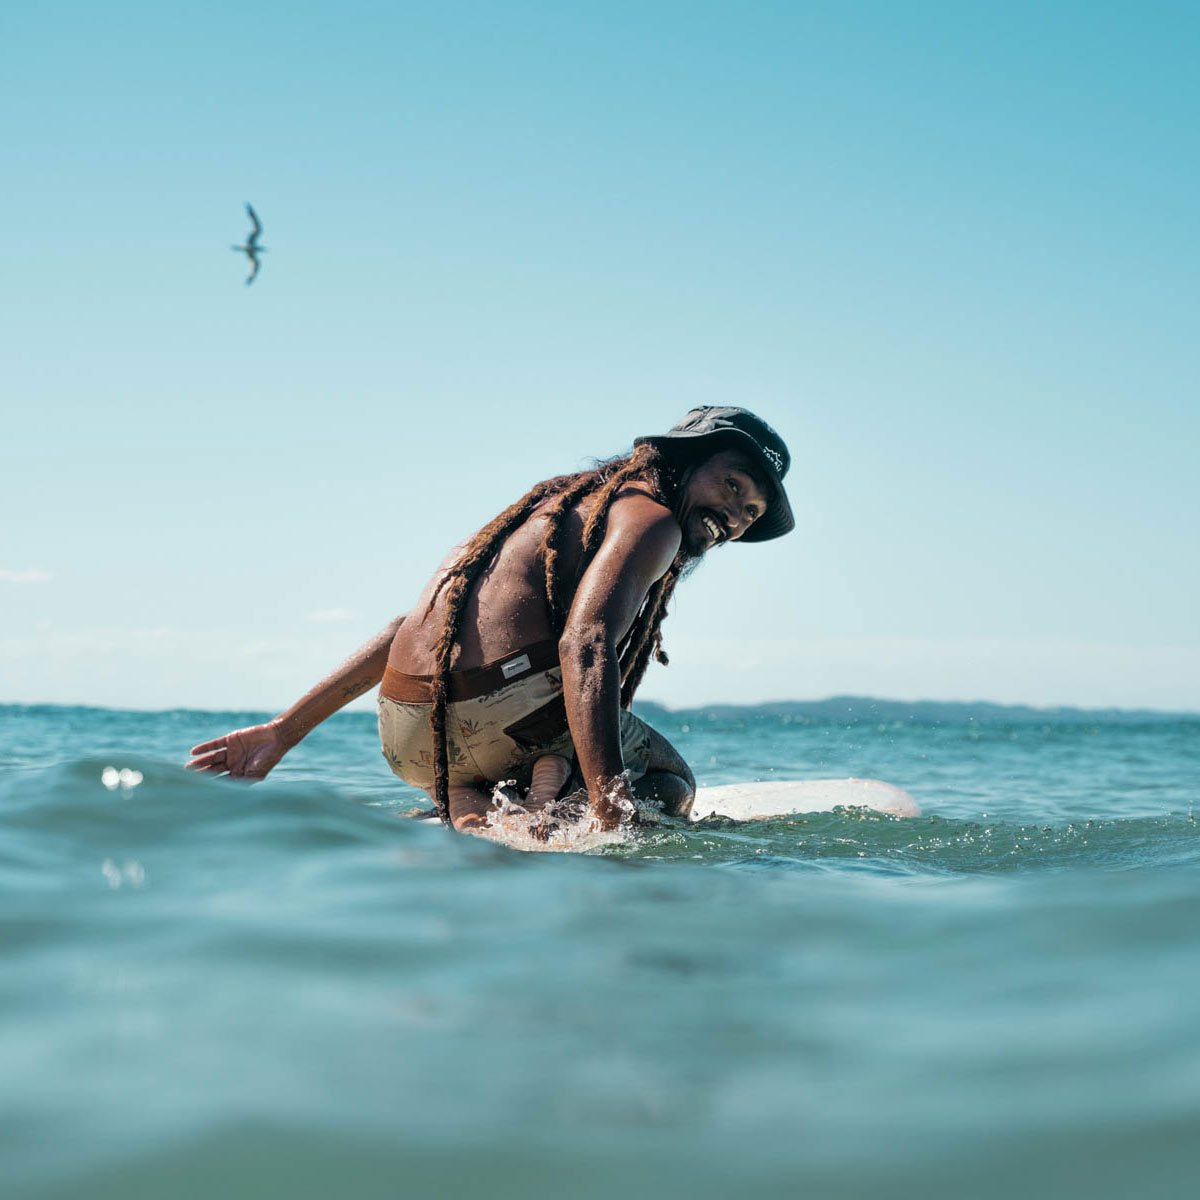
(836, 710)
(870, 710)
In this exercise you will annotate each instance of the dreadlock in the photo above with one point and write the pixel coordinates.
(563, 492)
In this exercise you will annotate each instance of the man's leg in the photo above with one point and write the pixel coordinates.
(469, 808)
(549, 774)
(667, 791)
(668, 782)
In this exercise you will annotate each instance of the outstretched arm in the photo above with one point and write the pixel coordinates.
(251, 752)
(639, 545)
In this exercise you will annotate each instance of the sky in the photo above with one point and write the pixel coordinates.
(947, 249)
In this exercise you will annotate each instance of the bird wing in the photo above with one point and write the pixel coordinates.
(253, 270)
(257, 223)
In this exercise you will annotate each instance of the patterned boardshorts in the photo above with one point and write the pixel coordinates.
(497, 736)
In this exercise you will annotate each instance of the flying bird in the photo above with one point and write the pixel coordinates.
(252, 249)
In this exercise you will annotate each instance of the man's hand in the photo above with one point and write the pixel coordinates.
(612, 803)
(250, 753)
(243, 754)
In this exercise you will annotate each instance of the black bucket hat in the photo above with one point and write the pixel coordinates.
(706, 430)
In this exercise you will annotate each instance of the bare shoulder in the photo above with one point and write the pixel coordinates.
(637, 516)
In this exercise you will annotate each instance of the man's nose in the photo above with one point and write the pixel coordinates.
(740, 520)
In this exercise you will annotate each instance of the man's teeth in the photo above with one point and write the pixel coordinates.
(713, 529)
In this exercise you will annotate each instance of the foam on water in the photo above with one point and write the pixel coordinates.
(560, 828)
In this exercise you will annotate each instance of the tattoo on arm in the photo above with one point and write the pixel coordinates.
(350, 690)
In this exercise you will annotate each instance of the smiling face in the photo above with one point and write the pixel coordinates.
(722, 497)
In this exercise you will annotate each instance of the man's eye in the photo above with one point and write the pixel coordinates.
(733, 487)
(752, 511)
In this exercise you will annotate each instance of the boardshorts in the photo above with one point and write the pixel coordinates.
(495, 735)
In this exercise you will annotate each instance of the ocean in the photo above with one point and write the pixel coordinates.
(210, 989)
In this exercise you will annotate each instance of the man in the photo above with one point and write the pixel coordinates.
(525, 648)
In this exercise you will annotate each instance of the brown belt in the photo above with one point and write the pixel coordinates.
(474, 681)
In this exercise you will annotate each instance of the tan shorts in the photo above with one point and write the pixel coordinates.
(496, 736)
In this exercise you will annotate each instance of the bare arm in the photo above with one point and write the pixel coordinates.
(251, 752)
(640, 543)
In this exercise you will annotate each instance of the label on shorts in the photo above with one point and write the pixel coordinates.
(515, 666)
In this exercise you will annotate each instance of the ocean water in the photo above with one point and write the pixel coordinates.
(217, 990)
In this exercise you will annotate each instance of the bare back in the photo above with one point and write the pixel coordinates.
(507, 609)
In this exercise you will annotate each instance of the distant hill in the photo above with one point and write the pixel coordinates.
(867, 710)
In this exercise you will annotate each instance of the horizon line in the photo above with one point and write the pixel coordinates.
(841, 697)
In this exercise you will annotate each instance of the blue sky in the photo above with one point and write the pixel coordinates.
(946, 249)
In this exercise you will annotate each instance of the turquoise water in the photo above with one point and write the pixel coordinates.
(217, 990)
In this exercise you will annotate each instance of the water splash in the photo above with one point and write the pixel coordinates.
(562, 827)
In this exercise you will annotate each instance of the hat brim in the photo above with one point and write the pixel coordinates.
(778, 518)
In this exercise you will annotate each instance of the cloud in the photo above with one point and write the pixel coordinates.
(330, 616)
(27, 575)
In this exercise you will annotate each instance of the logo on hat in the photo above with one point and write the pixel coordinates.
(773, 456)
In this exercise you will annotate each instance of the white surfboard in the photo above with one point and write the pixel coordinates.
(783, 797)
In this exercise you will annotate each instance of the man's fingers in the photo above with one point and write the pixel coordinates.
(216, 760)
(240, 754)
(211, 769)
(540, 830)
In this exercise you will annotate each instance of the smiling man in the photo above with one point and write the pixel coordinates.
(524, 651)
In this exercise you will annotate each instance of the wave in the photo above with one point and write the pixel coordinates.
(117, 808)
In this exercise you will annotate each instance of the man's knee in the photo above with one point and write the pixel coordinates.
(662, 756)
(668, 792)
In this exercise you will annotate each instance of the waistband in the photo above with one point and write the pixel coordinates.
(474, 681)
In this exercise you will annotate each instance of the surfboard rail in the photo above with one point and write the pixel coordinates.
(788, 797)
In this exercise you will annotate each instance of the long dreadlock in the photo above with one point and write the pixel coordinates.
(602, 482)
